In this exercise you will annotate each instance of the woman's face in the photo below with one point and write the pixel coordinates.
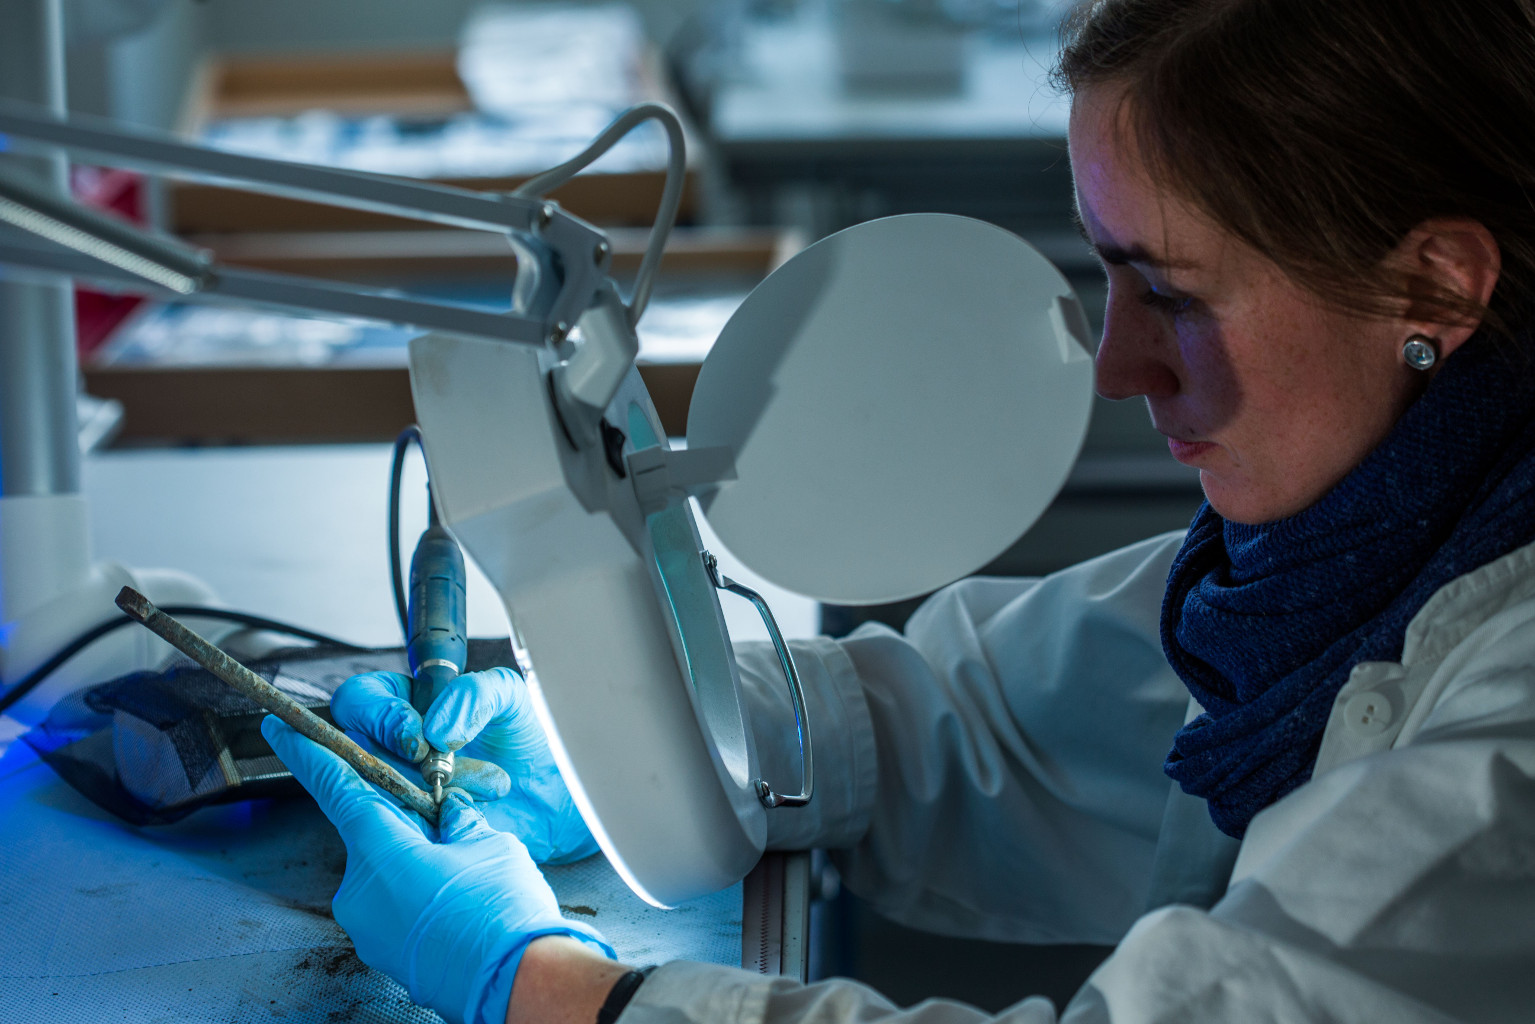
(1271, 394)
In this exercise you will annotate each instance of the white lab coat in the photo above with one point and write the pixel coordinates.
(996, 773)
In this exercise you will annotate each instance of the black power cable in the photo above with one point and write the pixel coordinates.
(30, 681)
(410, 435)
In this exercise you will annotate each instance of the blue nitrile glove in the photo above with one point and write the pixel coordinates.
(501, 754)
(446, 912)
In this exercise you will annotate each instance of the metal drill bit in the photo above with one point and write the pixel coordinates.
(437, 770)
(303, 721)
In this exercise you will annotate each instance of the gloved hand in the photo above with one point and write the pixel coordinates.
(501, 754)
(448, 915)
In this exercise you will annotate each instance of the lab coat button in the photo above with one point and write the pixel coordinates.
(1368, 714)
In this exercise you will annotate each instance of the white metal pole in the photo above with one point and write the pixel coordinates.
(49, 590)
(39, 446)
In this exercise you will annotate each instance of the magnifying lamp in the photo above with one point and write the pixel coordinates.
(886, 413)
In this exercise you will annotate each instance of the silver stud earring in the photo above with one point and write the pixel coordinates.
(1421, 352)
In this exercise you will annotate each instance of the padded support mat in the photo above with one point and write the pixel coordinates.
(225, 916)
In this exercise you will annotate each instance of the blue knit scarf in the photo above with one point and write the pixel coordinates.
(1264, 623)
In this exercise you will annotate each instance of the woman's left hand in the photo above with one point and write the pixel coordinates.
(503, 758)
(448, 911)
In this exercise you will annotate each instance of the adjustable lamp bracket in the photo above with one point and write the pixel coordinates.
(600, 569)
(562, 260)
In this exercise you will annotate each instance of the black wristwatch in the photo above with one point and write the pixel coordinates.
(618, 998)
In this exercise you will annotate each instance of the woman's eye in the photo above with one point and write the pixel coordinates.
(1172, 305)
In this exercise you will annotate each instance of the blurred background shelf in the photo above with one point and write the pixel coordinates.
(526, 89)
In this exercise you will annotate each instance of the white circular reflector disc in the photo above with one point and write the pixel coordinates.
(904, 398)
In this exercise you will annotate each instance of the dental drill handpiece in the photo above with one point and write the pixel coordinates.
(437, 649)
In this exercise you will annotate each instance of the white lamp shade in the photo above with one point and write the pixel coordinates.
(904, 399)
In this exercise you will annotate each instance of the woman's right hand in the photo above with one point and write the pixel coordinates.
(502, 758)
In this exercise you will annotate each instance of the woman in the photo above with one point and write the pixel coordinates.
(1316, 219)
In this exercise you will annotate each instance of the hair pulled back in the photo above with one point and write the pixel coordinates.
(1321, 132)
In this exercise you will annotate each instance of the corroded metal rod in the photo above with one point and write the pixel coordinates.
(304, 721)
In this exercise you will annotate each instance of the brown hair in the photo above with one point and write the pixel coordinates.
(1321, 132)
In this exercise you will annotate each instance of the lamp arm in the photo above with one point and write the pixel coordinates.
(51, 216)
(225, 285)
(147, 150)
(563, 261)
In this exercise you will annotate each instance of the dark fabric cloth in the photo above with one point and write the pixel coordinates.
(204, 722)
(1264, 623)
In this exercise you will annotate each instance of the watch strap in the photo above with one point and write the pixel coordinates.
(622, 991)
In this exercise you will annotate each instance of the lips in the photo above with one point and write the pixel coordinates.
(1188, 452)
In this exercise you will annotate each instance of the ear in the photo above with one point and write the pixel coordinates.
(1454, 255)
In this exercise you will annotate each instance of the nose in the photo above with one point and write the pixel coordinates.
(1132, 358)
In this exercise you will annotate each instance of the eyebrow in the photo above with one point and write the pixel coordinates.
(1121, 255)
